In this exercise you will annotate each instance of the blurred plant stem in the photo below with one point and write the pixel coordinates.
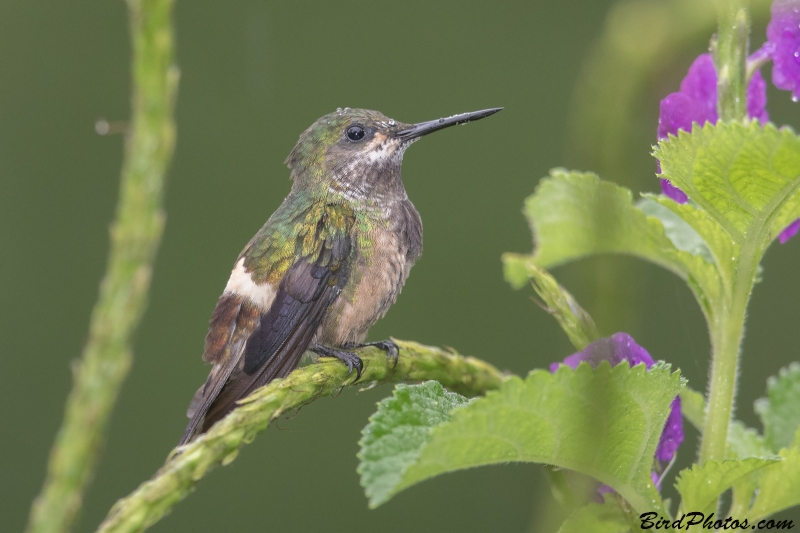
(220, 445)
(730, 56)
(135, 236)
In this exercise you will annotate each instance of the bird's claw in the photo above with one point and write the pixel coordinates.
(348, 358)
(354, 362)
(388, 346)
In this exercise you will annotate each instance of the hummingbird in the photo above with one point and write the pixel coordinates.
(328, 263)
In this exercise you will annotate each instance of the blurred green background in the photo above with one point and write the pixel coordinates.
(580, 81)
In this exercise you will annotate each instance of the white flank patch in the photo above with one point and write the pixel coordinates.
(241, 284)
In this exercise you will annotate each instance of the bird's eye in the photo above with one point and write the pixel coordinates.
(355, 133)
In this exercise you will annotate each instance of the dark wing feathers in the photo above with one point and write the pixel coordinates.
(300, 291)
(273, 341)
(286, 330)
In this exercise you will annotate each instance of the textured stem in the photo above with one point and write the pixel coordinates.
(220, 445)
(135, 236)
(726, 341)
(730, 58)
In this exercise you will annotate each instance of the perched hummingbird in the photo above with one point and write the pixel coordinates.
(326, 265)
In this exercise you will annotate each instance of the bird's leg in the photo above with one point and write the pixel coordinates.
(349, 358)
(390, 347)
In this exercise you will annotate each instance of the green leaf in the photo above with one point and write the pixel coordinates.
(703, 236)
(746, 177)
(397, 432)
(605, 517)
(778, 486)
(602, 422)
(700, 486)
(573, 319)
(744, 442)
(780, 410)
(515, 269)
(678, 230)
(574, 215)
(693, 407)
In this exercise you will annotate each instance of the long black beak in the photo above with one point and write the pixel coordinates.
(424, 128)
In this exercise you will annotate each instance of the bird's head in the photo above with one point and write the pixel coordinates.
(357, 153)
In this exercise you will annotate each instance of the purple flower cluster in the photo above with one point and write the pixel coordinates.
(619, 348)
(696, 102)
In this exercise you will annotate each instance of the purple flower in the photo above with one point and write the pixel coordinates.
(757, 98)
(697, 99)
(783, 34)
(668, 189)
(656, 479)
(672, 436)
(619, 348)
(697, 102)
(615, 349)
(789, 232)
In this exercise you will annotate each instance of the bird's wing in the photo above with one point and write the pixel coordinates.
(251, 347)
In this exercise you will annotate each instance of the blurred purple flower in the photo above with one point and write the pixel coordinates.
(783, 46)
(757, 98)
(697, 102)
(619, 348)
(656, 479)
(672, 436)
(789, 232)
(668, 189)
(615, 349)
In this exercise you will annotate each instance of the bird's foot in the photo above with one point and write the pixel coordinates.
(390, 347)
(349, 358)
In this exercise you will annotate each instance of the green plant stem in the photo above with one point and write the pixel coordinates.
(135, 236)
(220, 445)
(726, 344)
(730, 55)
(730, 58)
